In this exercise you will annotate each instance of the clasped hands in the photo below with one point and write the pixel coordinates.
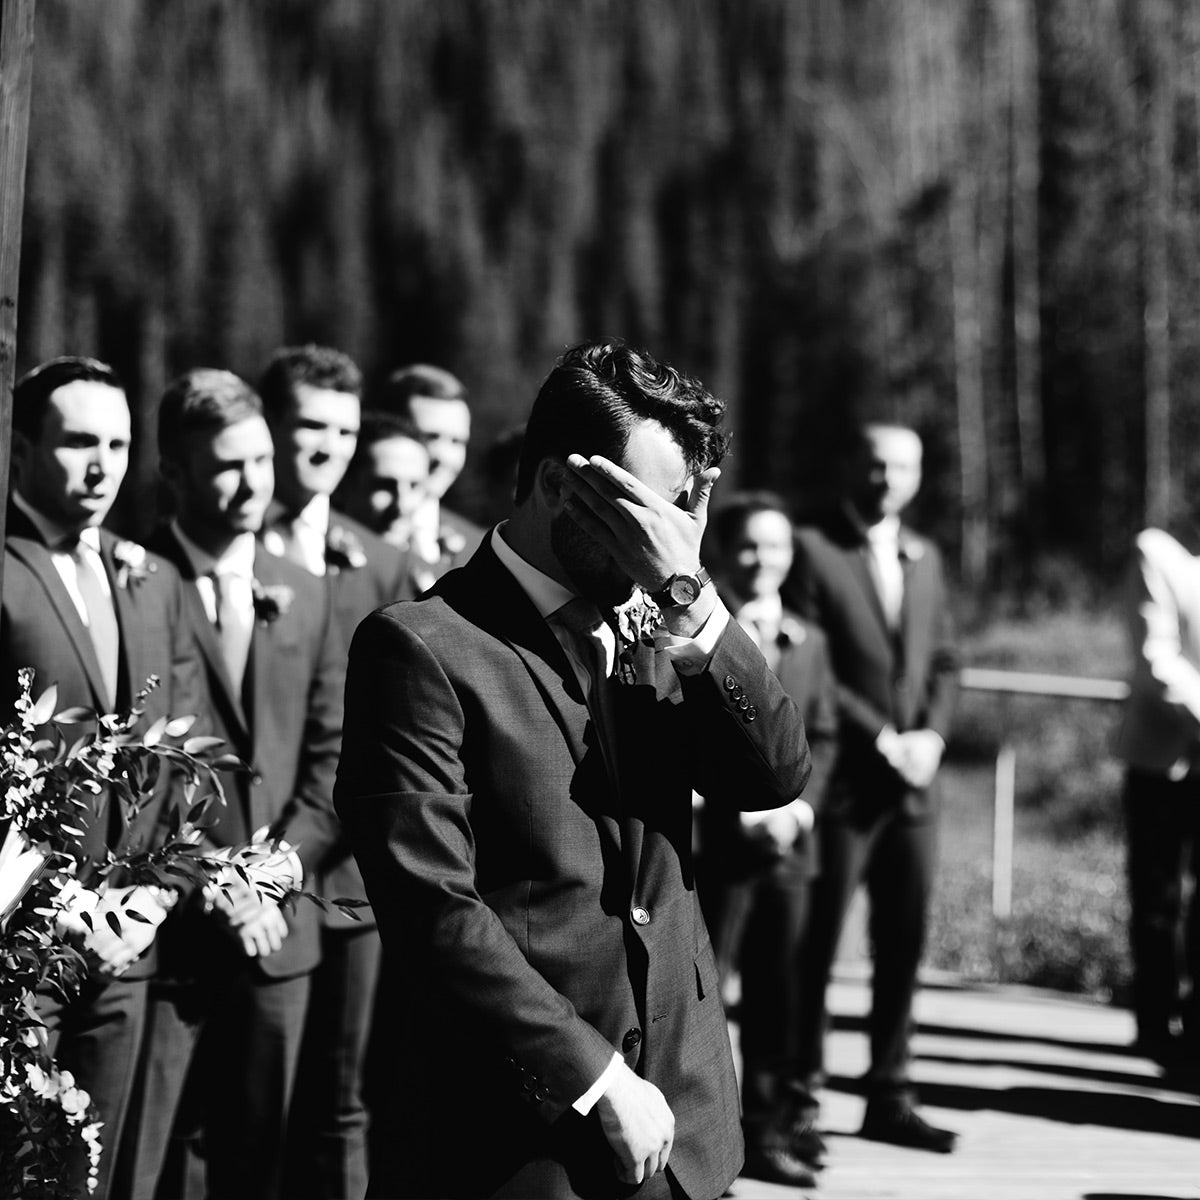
(914, 755)
(648, 535)
(247, 893)
(139, 910)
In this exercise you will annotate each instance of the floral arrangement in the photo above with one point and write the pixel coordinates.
(133, 564)
(343, 549)
(637, 621)
(271, 600)
(58, 771)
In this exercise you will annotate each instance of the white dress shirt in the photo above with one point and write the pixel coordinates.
(308, 530)
(883, 540)
(61, 544)
(235, 565)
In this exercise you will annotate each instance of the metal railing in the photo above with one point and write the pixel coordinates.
(1023, 683)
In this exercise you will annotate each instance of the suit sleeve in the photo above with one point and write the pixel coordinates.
(745, 735)
(404, 800)
(944, 658)
(309, 821)
(1162, 668)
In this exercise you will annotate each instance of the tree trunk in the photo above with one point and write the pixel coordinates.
(16, 78)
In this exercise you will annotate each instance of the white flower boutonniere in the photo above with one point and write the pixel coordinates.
(343, 550)
(271, 601)
(910, 548)
(133, 564)
(637, 621)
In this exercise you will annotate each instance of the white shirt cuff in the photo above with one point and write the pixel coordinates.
(689, 656)
(587, 1101)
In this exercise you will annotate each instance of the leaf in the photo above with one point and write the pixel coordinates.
(134, 915)
(154, 734)
(114, 922)
(44, 706)
(179, 726)
(197, 745)
(86, 918)
(229, 762)
(75, 715)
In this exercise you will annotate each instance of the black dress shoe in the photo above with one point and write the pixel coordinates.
(899, 1123)
(806, 1143)
(777, 1164)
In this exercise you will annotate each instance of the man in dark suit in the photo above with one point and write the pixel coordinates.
(523, 816)
(95, 616)
(436, 403)
(758, 866)
(311, 398)
(228, 1016)
(876, 589)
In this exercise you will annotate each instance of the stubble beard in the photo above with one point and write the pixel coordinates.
(590, 568)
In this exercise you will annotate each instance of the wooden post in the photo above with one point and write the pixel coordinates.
(16, 79)
(1002, 832)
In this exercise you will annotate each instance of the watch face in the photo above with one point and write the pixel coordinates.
(684, 589)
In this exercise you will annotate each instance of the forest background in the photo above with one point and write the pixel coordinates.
(976, 216)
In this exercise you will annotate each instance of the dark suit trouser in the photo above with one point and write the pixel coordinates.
(327, 1134)
(217, 1081)
(757, 926)
(96, 1036)
(1163, 824)
(895, 857)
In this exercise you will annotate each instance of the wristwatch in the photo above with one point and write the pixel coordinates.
(681, 590)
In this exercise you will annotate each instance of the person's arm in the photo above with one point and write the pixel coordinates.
(1162, 667)
(403, 798)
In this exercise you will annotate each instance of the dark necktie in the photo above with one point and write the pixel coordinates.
(234, 632)
(102, 620)
(582, 621)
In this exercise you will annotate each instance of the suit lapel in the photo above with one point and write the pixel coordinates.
(224, 693)
(30, 549)
(864, 571)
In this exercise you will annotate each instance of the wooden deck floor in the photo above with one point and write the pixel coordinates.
(1048, 1103)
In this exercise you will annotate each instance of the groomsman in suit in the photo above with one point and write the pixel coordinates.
(759, 866)
(1160, 744)
(523, 815)
(229, 1015)
(436, 403)
(95, 616)
(311, 398)
(876, 589)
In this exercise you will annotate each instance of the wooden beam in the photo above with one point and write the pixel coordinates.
(16, 79)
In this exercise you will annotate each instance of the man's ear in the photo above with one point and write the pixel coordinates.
(22, 447)
(550, 480)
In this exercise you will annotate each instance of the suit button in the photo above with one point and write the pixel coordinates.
(736, 693)
(543, 1093)
(730, 683)
(631, 1040)
(744, 702)
(256, 779)
(528, 1082)
(750, 713)
(640, 915)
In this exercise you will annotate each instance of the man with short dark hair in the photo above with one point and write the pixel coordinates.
(758, 867)
(311, 401)
(520, 751)
(228, 1015)
(436, 403)
(95, 616)
(876, 589)
(385, 484)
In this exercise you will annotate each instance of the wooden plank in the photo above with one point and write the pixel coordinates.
(16, 80)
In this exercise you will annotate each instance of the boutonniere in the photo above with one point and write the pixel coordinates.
(133, 564)
(637, 621)
(910, 548)
(343, 549)
(271, 601)
(791, 631)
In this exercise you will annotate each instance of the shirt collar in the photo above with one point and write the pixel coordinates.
(885, 532)
(58, 539)
(315, 514)
(238, 558)
(768, 609)
(547, 595)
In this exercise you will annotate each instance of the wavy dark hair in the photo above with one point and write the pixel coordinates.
(591, 401)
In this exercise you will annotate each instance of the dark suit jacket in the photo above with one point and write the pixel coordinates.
(907, 678)
(286, 726)
(806, 675)
(41, 628)
(546, 911)
(359, 587)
